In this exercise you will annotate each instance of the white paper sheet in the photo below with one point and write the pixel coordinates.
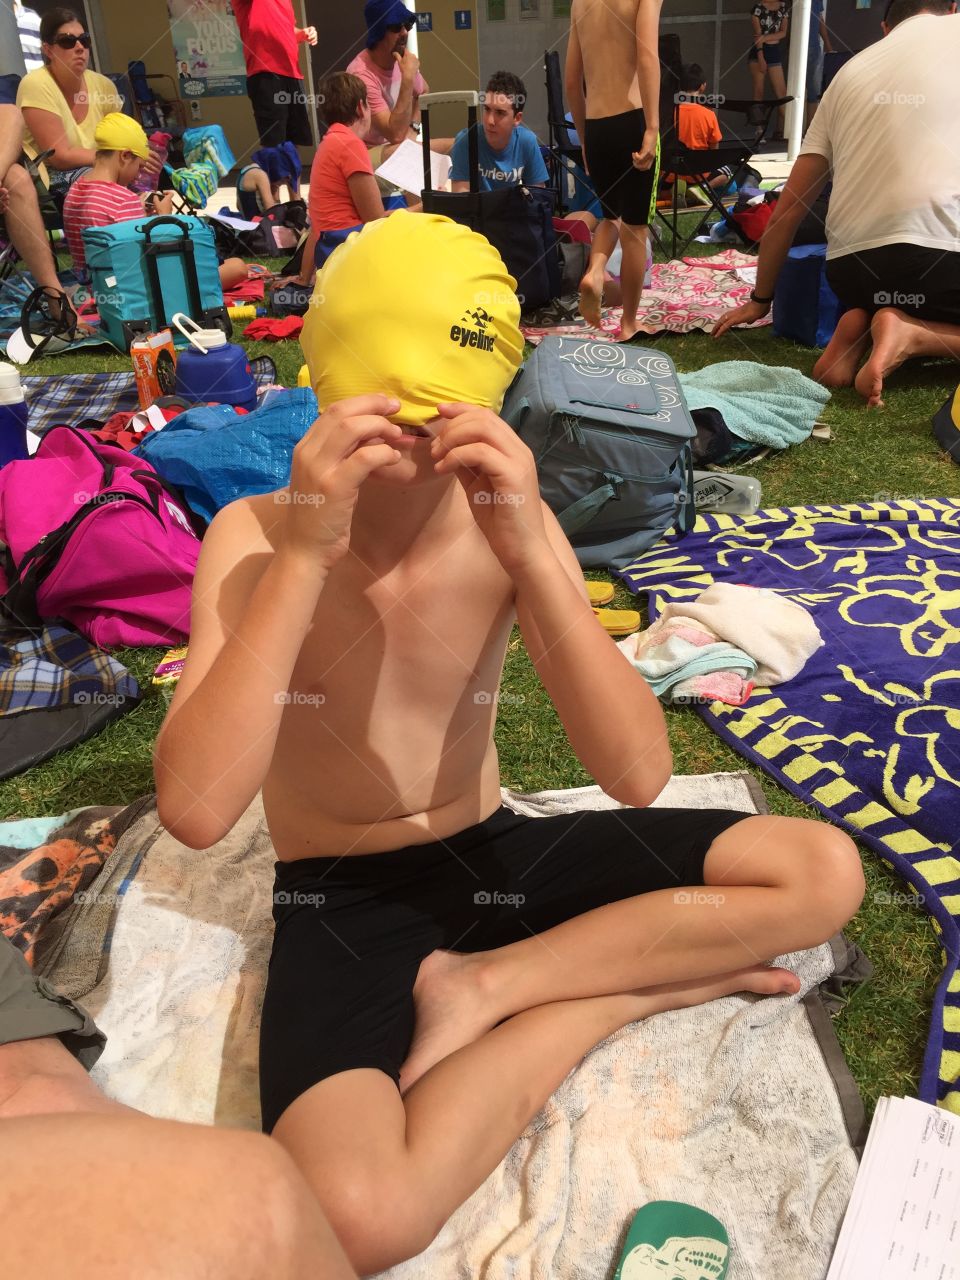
(405, 168)
(232, 220)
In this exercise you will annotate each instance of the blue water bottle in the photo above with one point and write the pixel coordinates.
(13, 416)
(213, 369)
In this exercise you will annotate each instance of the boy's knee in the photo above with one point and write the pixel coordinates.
(380, 1220)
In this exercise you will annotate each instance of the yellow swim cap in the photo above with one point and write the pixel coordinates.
(117, 132)
(418, 307)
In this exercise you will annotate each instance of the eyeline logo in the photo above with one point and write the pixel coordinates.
(471, 331)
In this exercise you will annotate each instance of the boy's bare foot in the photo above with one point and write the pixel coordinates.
(591, 296)
(452, 1009)
(838, 365)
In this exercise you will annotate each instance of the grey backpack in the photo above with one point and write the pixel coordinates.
(610, 431)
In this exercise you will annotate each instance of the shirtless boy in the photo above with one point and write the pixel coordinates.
(347, 642)
(613, 48)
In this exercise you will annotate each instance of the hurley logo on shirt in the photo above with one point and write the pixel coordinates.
(471, 331)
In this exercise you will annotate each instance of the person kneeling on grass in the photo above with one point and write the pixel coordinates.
(103, 196)
(347, 641)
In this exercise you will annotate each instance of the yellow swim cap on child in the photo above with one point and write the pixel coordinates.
(117, 132)
(418, 307)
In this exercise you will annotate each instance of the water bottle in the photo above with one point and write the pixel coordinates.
(13, 416)
(213, 369)
(721, 491)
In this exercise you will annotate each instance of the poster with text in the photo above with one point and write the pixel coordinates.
(529, 8)
(207, 47)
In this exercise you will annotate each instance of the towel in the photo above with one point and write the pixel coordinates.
(683, 661)
(777, 633)
(775, 406)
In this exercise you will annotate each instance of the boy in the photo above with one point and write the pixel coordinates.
(103, 196)
(348, 636)
(698, 127)
(613, 49)
(509, 153)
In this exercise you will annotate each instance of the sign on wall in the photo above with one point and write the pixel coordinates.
(207, 47)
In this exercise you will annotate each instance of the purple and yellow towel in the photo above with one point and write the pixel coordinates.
(868, 730)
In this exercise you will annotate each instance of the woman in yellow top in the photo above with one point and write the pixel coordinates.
(62, 101)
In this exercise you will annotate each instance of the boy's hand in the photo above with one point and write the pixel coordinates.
(330, 463)
(644, 158)
(499, 477)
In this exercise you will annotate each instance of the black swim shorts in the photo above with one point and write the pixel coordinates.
(623, 191)
(914, 278)
(351, 932)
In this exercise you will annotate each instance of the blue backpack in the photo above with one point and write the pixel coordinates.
(144, 272)
(610, 432)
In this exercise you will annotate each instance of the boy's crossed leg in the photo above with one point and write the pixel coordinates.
(498, 1031)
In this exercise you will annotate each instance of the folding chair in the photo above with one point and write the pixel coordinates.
(733, 152)
(563, 150)
(153, 110)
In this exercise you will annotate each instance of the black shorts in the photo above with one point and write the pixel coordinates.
(771, 54)
(351, 932)
(623, 191)
(920, 281)
(279, 109)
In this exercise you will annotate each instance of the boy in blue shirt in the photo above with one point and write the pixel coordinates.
(509, 151)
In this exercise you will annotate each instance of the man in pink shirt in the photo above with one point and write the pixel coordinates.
(391, 73)
(271, 40)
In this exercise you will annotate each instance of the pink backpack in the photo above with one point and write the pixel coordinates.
(94, 536)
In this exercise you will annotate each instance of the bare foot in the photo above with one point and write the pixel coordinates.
(450, 1012)
(452, 1009)
(837, 367)
(896, 337)
(591, 296)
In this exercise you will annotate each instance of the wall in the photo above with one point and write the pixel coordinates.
(128, 29)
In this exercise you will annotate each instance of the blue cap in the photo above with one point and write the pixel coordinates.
(380, 14)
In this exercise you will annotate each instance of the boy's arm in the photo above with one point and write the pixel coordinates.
(251, 610)
(613, 720)
(573, 83)
(648, 77)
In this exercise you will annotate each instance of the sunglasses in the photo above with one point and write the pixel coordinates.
(70, 42)
(396, 28)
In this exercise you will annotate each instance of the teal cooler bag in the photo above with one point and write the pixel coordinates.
(805, 308)
(145, 272)
(610, 433)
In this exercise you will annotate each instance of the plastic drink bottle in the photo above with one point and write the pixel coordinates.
(212, 369)
(721, 491)
(13, 416)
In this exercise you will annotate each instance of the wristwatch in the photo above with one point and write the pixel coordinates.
(764, 302)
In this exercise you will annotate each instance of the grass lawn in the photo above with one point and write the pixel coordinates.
(887, 453)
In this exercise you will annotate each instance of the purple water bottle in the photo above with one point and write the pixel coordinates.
(13, 416)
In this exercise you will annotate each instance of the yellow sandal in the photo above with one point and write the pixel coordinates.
(600, 592)
(618, 622)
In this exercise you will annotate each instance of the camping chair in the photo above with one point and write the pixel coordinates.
(52, 219)
(155, 111)
(563, 150)
(734, 152)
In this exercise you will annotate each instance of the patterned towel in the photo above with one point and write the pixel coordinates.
(867, 732)
(683, 297)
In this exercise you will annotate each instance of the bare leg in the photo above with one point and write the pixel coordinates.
(757, 79)
(26, 230)
(591, 286)
(779, 86)
(149, 1198)
(256, 180)
(583, 215)
(232, 272)
(898, 337)
(837, 367)
(772, 885)
(388, 1172)
(633, 241)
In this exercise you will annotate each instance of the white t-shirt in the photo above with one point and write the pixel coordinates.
(889, 126)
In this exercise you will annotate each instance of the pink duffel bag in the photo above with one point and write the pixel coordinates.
(94, 536)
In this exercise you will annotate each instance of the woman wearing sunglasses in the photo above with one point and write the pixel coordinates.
(63, 101)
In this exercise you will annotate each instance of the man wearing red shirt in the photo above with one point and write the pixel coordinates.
(271, 38)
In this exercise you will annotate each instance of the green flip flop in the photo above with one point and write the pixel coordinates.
(672, 1241)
